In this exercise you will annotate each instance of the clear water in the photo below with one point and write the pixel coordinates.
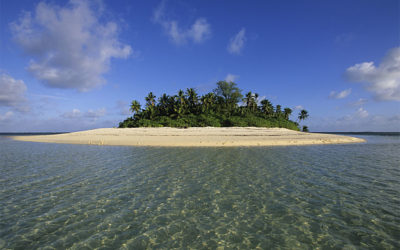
(80, 196)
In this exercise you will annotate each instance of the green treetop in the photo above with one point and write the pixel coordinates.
(220, 108)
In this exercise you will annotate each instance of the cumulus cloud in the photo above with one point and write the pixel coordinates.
(340, 95)
(198, 32)
(12, 93)
(382, 81)
(361, 113)
(70, 46)
(231, 78)
(236, 43)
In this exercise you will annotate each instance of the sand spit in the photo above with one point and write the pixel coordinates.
(195, 137)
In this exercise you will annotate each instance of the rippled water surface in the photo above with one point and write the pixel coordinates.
(80, 196)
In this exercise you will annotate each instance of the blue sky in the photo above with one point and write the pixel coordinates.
(74, 65)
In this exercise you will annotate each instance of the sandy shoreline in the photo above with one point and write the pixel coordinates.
(198, 137)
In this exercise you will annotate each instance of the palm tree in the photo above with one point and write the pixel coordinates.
(278, 110)
(182, 99)
(135, 106)
(207, 102)
(266, 107)
(178, 110)
(249, 99)
(192, 98)
(212, 101)
(163, 102)
(216, 106)
(303, 115)
(287, 112)
(255, 102)
(171, 105)
(150, 110)
(150, 99)
(179, 104)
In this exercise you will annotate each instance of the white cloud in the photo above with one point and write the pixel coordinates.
(340, 95)
(360, 120)
(361, 113)
(12, 93)
(51, 97)
(358, 115)
(236, 43)
(70, 46)
(24, 123)
(75, 113)
(6, 116)
(298, 107)
(92, 114)
(359, 102)
(231, 78)
(198, 32)
(95, 113)
(260, 99)
(383, 80)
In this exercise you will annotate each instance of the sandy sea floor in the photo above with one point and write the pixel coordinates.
(199, 137)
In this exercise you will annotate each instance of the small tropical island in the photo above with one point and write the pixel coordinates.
(225, 106)
(222, 118)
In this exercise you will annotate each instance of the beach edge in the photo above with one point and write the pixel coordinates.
(193, 137)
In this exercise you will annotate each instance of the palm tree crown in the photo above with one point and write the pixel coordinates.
(267, 107)
(287, 112)
(150, 99)
(303, 115)
(135, 106)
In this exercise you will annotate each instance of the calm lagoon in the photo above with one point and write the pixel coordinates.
(111, 197)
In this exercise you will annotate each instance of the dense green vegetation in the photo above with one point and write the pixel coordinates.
(219, 108)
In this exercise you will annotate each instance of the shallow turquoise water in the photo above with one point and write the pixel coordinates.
(79, 196)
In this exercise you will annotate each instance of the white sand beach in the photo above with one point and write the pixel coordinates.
(198, 137)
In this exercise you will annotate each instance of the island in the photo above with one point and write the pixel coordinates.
(192, 137)
(222, 118)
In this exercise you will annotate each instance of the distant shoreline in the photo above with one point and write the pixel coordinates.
(363, 133)
(31, 133)
(192, 137)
